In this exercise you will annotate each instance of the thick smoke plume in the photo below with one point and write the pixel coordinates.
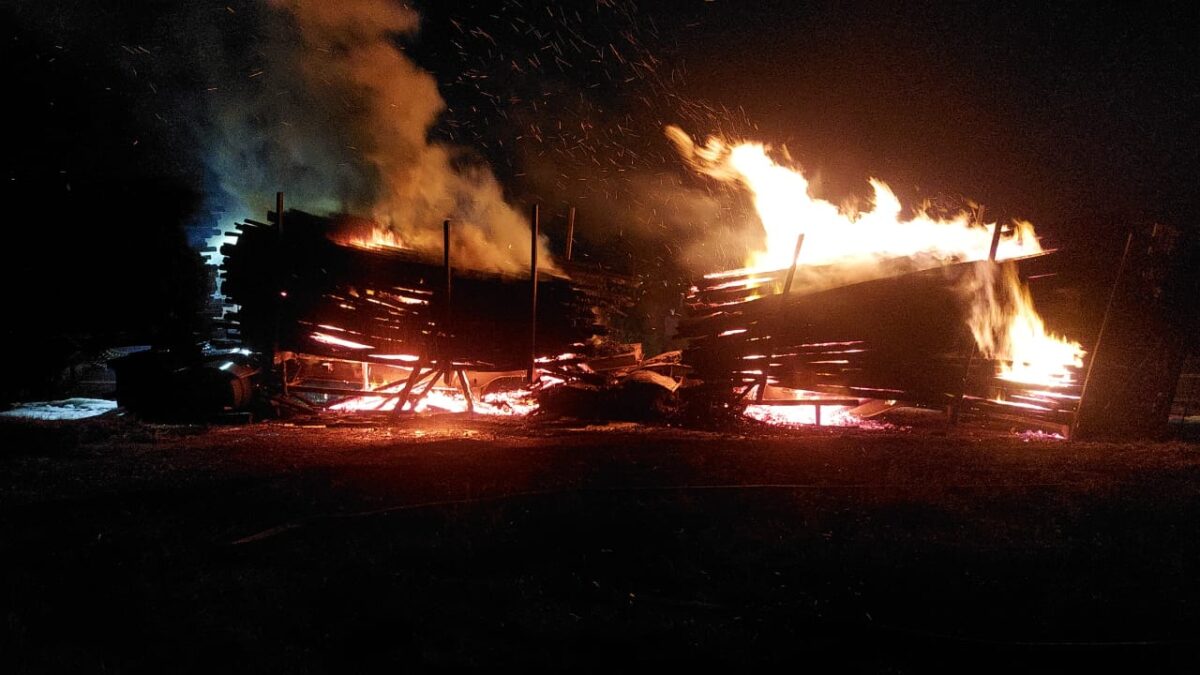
(339, 118)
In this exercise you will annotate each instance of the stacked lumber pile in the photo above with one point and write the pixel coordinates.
(899, 337)
(306, 293)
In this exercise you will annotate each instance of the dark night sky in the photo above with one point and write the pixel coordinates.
(1053, 111)
(1079, 116)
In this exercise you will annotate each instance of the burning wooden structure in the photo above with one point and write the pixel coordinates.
(875, 301)
(393, 322)
(900, 336)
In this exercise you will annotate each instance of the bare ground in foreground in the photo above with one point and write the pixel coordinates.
(444, 543)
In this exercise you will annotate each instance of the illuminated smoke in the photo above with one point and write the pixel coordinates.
(339, 118)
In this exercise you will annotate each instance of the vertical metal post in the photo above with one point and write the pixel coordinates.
(465, 385)
(570, 231)
(534, 231)
(1112, 296)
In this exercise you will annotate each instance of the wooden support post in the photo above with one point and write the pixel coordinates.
(787, 284)
(413, 378)
(787, 288)
(425, 391)
(1112, 296)
(388, 385)
(534, 231)
(465, 385)
(956, 407)
(570, 231)
(381, 390)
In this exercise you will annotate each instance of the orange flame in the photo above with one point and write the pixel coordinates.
(518, 402)
(509, 403)
(789, 415)
(379, 238)
(1005, 325)
(779, 412)
(833, 235)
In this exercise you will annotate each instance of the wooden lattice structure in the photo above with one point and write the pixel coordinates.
(899, 336)
(303, 292)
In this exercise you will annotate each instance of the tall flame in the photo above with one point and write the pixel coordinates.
(1007, 328)
(833, 235)
(1003, 321)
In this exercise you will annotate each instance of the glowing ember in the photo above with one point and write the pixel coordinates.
(788, 415)
(411, 301)
(568, 356)
(338, 342)
(789, 411)
(516, 402)
(545, 381)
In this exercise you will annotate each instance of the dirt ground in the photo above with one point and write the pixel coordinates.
(446, 543)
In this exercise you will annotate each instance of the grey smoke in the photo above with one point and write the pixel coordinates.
(338, 117)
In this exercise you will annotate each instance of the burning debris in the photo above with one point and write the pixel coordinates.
(839, 314)
(358, 327)
(901, 337)
(393, 306)
(871, 305)
(869, 311)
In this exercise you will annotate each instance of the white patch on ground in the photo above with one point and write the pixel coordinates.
(67, 409)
